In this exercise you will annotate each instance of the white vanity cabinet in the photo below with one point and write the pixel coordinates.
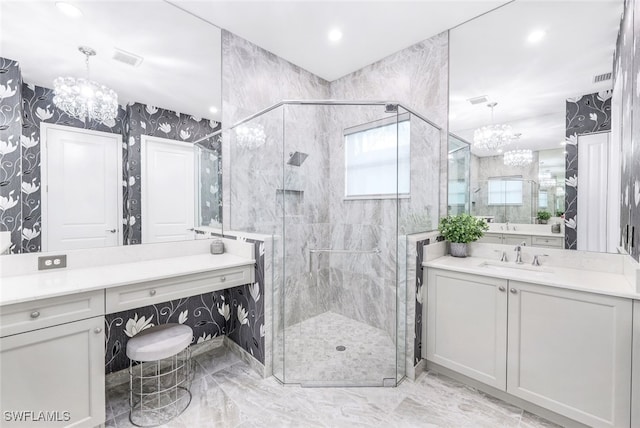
(53, 376)
(563, 350)
(467, 325)
(570, 352)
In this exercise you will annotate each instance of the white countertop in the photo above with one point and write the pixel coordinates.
(41, 285)
(612, 284)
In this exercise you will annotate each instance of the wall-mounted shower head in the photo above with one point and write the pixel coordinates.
(297, 158)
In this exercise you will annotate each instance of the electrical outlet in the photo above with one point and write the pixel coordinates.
(52, 262)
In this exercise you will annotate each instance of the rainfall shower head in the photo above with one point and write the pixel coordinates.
(297, 158)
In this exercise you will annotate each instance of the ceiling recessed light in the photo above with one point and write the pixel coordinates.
(536, 36)
(69, 9)
(213, 109)
(335, 35)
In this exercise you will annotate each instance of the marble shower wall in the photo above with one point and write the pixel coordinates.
(627, 79)
(485, 168)
(585, 115)
(10, 156)
(417, 77)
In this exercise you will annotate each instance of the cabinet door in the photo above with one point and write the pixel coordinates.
(467, 325)
(570, 352)
(56, 370)
(635, 366)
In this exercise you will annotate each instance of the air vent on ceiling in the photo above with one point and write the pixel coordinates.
(127, 57)
(602, 77)
(478, 100)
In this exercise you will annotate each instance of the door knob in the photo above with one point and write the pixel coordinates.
(35, 314)
(97, 330)
(501, 288)
(514, 291)
(152, 292)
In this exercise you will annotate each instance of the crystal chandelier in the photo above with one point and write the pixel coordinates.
(493, 137)
(85, 99)
(520, 157)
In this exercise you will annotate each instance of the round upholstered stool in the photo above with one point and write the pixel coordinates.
(159, 374)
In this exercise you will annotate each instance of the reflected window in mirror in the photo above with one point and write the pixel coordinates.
(549, 98)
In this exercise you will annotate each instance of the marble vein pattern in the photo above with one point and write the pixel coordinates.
(227, 393)
(584, 115)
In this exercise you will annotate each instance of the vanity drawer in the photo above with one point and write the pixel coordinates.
(152, 292)
(28, 316)
(544, 241)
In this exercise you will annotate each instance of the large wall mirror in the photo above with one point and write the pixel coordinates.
(530, 82)
(145, 169)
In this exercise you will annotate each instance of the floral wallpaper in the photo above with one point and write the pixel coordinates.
(23, 107)
(236, 312)
(10, 165)
(627, 75)
(586, 114)
(149, 120)
(417, 345)
(37, 108)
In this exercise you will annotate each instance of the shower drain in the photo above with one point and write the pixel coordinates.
(341, 348)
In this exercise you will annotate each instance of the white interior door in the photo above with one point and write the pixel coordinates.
(168, 190)
(81, 188)
(593, 177)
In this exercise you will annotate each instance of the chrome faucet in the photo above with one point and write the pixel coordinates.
(503, 258)
(518, 251)
(536, 259)
(507, 225)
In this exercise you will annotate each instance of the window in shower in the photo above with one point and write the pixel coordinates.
(377, 161)
(505, 191)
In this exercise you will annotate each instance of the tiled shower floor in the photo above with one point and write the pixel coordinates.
(312, 358)
(229, 394)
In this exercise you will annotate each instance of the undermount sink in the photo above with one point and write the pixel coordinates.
(512, 267)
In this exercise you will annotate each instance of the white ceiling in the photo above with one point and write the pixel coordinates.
(182, 60)
(490, 56)
(297, 30)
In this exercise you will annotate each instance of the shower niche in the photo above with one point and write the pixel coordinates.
(334, 185)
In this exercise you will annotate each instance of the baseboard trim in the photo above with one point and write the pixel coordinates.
(251, 361)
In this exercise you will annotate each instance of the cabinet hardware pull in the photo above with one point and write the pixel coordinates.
(501, 288)
(223, 278)
(514, 291)
(111, 230)
(35, 314)
(152, 292)
(97, 330)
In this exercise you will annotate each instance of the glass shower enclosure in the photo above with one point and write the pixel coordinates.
(337, 186)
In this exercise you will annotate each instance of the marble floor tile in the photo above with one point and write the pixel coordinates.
(234, 396)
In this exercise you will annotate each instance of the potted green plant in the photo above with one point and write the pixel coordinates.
(543, 216)
(461, 229)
